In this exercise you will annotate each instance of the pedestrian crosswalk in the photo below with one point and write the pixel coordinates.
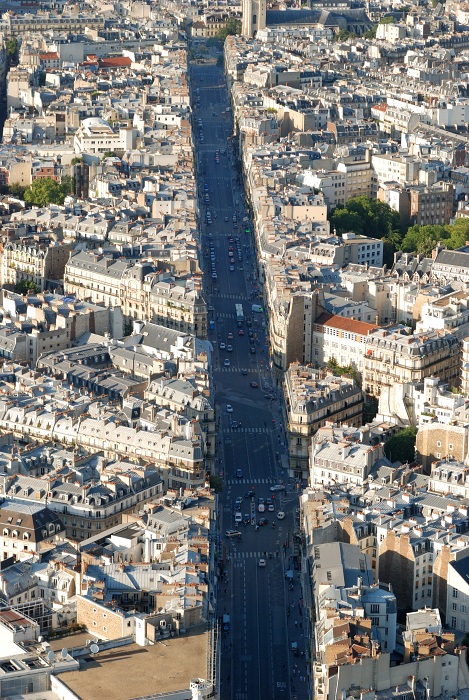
(251, 555)
(225, 315)
(246, 430)
(235, 297)
(233, 369)
(251, 482)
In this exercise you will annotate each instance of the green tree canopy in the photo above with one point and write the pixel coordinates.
(45, 191)
(12, 50)
(232, 27)
(26, 286)
(422, 239)
(371, 217)
(401, 447)
(17, 190)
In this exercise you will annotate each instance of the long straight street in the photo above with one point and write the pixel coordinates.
(256, 662)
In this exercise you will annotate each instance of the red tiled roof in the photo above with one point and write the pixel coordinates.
(115, 62)
(346, 324)
(53, 56)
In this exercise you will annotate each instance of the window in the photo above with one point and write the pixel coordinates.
(453, 622)
(329, 576)
(455, 594)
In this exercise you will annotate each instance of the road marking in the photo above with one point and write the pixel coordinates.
(246, 430)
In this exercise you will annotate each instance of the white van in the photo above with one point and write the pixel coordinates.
(238, 517)
(257, 309)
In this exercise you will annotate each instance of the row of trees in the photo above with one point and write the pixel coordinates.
(376, 219)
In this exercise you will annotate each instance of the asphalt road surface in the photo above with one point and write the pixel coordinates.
(256, 662)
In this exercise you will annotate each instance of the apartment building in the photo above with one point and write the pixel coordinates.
(340, 339)
(359, 177)
(436, 441)
(33, 261)
(457, 603)
(140, 290)
(311, 399)
(432, 205)
(81, 510)
(465, 366)
(26, 528)
(396, 355)
(95, 136)
(403, 169)
(336, 461)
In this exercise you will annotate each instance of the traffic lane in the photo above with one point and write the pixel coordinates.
(253, 454)
(246, 406)
(265, 667)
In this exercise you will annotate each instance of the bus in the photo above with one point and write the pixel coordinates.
(239, 312)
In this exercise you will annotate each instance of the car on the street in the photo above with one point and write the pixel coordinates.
(234, 424)
(232, 268)
(229, 348)
(252, 350)
(222, 346)
(250, 494)
(238, 502)
(247, 518)
(263, 521)
(261, 508)
(232, 533)
(244, 372)
(226, 362)
(230, 336)
(229, 408)
(240, 332)
(277, 487)
(262, 563)
(238, 518)
(254, 385)
(239, 473)
(271, 508)
(226, 218)
(280, 515)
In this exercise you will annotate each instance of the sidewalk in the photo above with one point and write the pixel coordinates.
(296, 630)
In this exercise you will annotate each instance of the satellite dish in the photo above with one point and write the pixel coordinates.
(94, 648)
(51, 656)
(64, 653)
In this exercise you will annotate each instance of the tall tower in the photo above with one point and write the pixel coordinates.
(254, 16)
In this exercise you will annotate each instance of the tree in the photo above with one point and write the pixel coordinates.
(216, 483)
(12, 51)
(45, 191)
(76, 160)
(231, 28)
(17, 190)
(25, 287)
(67, 184)
(343, 221)
(387, 19)
(338, 370)
(422, 239)
(369, 217)
(401, 447)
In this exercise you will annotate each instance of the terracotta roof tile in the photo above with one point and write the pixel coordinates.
(346, 324)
